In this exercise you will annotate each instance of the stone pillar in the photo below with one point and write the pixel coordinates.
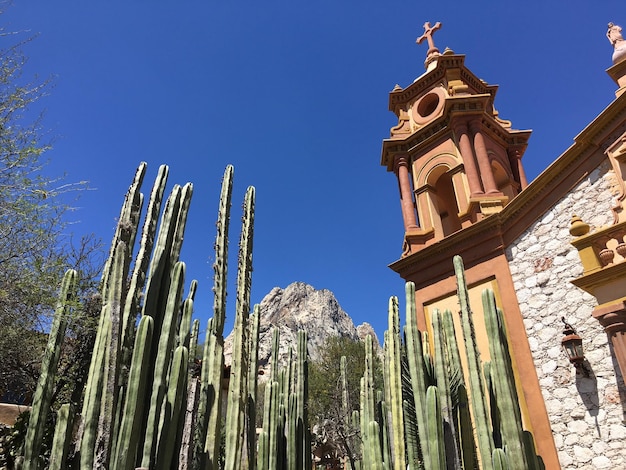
(613, 319)
(406, 194)
(429, 213)
(460, 190)
(486, 173)
(425, 208)
(515, 158)
(465, 146)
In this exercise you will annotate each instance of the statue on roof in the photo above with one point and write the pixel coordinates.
(614, 34)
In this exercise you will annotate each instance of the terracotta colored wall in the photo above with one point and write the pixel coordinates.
(495, 271)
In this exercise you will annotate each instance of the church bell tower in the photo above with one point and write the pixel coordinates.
(456, 160)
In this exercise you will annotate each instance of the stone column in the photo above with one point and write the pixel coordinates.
(406, 194)
(515, 158)
(486, 173)
(460, 129)
(613, 319)
(460, 190)
(425, 208)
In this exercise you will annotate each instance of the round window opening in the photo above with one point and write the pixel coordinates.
(427, 105)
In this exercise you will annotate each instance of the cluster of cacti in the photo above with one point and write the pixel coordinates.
(285, 441)
(135, 410)
(424, 420)
(143, 409)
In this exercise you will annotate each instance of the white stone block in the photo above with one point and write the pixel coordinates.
(530, 281)
(578, 412)
(547, 334)
(555, 352)
(565, 460)
(617, 432)
(601, 462)
(548, 367)
(554, 407)
(599, 447)
(561, 393)
(547, 382)
(570, 440)
(582, 454)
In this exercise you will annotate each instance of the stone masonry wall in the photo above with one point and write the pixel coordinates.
(586, 413)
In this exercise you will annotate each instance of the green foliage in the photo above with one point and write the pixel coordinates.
(35, 248)
(17, 438)
(332, 423)
(324, 375)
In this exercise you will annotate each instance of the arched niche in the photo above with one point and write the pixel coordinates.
(441, 194)
(504, 179)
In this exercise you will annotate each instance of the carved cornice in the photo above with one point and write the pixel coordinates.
(589, 282)
(391, 147)
(433, 263)
(597, 131)
(397, 98)
(477, 84)
(457, 107)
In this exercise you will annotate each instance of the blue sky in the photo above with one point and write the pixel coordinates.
(294, 94)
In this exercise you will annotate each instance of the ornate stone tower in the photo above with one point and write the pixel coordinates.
(456, 160)
(463, 192)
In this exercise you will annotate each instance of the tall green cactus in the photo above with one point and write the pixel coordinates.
(153, 426)
(108, 365)
(111, 364)
(62, 436)
(138, 279)
(117, 429)
(285, 441)
(434, 423)
(438, 422)
(418, 375)
(45, 384)
(504, 384)
(477, 388)
(393, 359)
(238, 386)
(303, 436)
(253, 364)
(167, 455)
(237, 393)
(207, 440)
(128, 439)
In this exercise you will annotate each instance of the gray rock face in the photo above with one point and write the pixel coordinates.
(365, 329)
(301, 307)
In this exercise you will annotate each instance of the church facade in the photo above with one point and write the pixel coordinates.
(553, 250)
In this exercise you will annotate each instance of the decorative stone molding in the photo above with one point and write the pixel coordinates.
(403, 129)
(428, 107)
(616, 154)
(601, 248)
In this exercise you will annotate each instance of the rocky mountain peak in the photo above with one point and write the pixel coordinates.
(300, 306)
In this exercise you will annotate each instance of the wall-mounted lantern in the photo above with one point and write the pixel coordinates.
(573, 346)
